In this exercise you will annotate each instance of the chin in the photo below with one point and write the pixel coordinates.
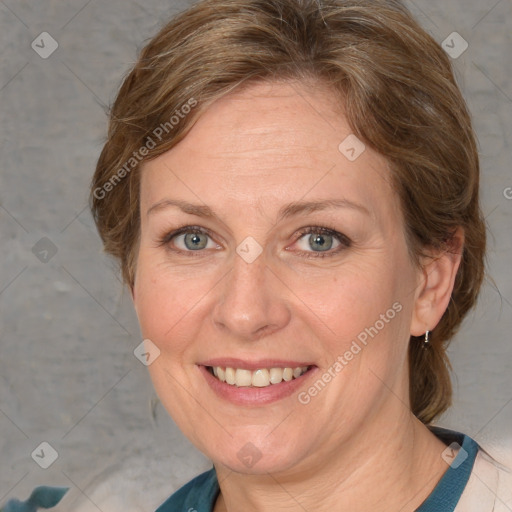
(257, 456)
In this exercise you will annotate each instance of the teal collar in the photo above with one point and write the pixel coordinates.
(449, 489)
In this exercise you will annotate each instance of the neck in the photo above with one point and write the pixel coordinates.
(386, 466)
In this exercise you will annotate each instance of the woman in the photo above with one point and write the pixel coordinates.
(291, 188)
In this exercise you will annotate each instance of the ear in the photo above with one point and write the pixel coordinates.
(436, 281)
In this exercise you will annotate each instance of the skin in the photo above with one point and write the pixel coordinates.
(355, 446)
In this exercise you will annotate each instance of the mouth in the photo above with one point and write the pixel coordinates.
(259, 378)
(258, 382)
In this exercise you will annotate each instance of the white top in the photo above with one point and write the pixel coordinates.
(489, 488)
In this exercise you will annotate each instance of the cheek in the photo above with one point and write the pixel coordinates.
(368, 311)
(168, 302)
(158, 304)
(350, 296)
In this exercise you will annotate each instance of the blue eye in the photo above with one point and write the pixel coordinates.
(319, 241)
(193, 238)
(195, 241)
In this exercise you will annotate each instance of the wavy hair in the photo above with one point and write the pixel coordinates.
(398, 91)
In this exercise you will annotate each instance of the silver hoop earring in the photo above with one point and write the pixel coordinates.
(426, 341)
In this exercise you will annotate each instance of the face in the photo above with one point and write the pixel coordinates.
(256, 278)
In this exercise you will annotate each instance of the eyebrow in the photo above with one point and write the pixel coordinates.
(290, 210)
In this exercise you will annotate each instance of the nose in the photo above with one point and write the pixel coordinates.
(252, 301)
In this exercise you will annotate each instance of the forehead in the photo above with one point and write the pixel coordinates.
(269, 144)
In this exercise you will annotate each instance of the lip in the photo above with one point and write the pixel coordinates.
(254, 396)
(254, 365)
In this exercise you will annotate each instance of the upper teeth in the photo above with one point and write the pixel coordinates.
(259, 378)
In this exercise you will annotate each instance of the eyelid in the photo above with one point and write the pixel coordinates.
(173, 233)
(324, 230)
(344, 241)
(168, 237)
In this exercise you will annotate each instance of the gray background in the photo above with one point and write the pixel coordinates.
(68, 375)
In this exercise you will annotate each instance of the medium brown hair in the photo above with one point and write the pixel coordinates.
(398, 90)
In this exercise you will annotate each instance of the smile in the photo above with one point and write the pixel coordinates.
(260, 378)
(258, 382)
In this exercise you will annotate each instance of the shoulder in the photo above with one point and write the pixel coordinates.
(489, 488)
(475, 481)
(198, 495)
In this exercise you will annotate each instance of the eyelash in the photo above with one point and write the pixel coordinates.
(344, 241)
